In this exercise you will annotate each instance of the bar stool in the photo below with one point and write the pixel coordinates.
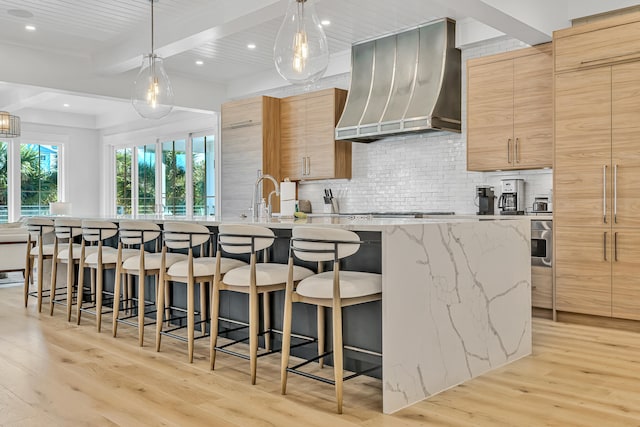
(66, 230)
(334, 289)
(254, 279)
(143, 264)
(102, 258)
(39, 229)
(190, 271)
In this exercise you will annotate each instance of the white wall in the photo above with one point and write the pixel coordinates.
(426, 172)
(81, 163)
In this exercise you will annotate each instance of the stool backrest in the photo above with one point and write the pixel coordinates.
(181, 235)
(323, 244)
(95, 230)
(244, 238)
(67, 228)
(38, 227)
(138, 232)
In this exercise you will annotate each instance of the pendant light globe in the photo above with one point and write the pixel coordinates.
(152, 92)
(301, 53)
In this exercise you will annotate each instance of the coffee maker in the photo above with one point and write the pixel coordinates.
(511, 200)
(485, 197)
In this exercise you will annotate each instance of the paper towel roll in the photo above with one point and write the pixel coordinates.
(287, 198)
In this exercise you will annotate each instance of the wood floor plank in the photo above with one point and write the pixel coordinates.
(57, 373)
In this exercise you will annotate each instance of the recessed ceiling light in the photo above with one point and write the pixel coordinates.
(29, 27)
(251, 46)
(325, 22)
(65, 105)
(199, 62)
(20, 13)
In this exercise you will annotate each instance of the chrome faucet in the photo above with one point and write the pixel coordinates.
(254, 202)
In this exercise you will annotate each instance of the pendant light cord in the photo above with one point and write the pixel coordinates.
(152, 50)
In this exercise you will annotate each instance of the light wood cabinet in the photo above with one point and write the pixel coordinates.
(250, 144)
(308, 146)
(509, 110)
(583, 270)
(597, 179)
(625, 286)
(541, 287)
(599, 43)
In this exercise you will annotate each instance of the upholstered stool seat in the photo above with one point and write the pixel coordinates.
(204, 266)
(266, 274)
(63, 254)
(152, 261)
(109, 255)
(47, 250)
(353, 284)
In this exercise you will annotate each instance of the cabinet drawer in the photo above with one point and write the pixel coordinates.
(599, 47)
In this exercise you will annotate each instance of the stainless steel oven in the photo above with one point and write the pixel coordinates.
(541, 243)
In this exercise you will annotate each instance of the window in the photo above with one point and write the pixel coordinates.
(39, 178)
(4, 183)
(170, 176)
(204, 177)
(147, 179)
(174, 177)
(123, 181)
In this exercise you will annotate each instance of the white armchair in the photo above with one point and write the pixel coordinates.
(13, 247)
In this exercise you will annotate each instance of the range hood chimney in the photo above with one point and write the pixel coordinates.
(403, 83)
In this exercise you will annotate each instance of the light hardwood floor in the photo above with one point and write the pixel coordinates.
(59, 374)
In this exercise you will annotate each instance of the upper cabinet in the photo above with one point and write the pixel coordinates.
(250, 142)
(510, 110)
(602, 42)
(308, 146)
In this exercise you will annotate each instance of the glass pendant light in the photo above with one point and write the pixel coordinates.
(301, 53)
(152, 92)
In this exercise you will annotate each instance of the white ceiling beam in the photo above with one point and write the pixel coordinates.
(520, 27)
(213, 21)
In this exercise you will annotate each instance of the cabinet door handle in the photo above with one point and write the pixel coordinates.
(509, 150)
(604, 245)
(308, 165)
(516, 157)
(604, 194)
(304, 166)
(615, 246)
(615, 194)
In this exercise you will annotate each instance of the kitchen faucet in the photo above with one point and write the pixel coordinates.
(254, 202)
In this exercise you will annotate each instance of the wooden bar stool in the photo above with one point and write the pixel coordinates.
(139, 233)
(64, 249)
(254, 279)
(190, 271)
(37, 250)
(334, 289)
(95, 232)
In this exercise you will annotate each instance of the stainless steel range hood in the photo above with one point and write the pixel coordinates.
(403, 83)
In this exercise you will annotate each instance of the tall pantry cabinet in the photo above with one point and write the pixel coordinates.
(597, 170)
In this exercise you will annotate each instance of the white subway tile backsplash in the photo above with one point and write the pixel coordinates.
(424, 172)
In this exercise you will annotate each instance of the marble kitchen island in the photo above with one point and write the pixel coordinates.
(456, 296)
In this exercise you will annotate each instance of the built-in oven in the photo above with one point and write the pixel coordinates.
(541, 243)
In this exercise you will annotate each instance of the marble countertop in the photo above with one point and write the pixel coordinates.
(352, 222)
